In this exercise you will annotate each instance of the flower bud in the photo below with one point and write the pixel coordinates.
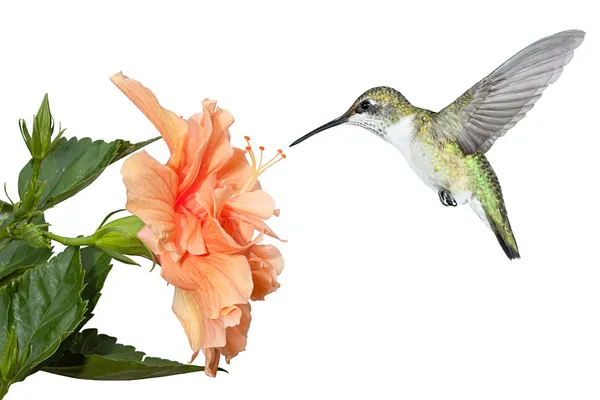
(39, 142)
(119, 239)
(33, 236)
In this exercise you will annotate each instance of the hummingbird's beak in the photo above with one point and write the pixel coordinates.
(338, 121)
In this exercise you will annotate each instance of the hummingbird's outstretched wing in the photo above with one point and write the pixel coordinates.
(495, 104)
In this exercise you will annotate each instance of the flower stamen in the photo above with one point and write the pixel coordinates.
(259, 167)
(250, 152)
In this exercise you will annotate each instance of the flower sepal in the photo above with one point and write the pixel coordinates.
(40, 141)
(119, 239)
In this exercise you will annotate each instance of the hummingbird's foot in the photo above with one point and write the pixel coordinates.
(446, 198)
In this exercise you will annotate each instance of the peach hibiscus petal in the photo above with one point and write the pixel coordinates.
(151, 189)
(237, 336)
(201, 331)
(218, 149)
(256, 203)
(219, 241)
(199, 130)
(220, 198)
(266, 264)
(265, 283)
(241, 232)
(237, 172)
(270, 255)
(146, 236)
(258, 223)
(211, 365)
(201, 199)
(189, 233)
(171, 127)
(217, 280)
(231, 316)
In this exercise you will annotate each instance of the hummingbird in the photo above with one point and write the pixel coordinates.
(447, 149)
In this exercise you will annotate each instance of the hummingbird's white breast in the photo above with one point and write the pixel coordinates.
(403, 136)
(418, 153)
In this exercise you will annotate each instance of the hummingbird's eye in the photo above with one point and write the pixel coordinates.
(364, 106)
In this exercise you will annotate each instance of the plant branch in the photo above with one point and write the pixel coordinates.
(78, 241)
(37, 163)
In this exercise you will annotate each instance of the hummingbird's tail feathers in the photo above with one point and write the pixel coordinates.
(488, 203)
(509, 246)
(495, 217)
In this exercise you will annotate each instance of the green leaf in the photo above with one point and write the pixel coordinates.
(44, 306)
(100, 357)
(90, 342)
(17, 256)
(5, 213)
(72, 165)
(96, 265)
(128, 148)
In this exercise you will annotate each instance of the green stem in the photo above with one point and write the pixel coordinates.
(79, 241)
(4, 234)
(37, 163)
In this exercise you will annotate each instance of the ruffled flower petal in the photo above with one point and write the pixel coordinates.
(146, 236)
(201, 331)
(189, 233)
(199, 132)
(218, 150)
(151, 189)
(211, 364)
(241, 232)
(220, 197)
(258, 223)
(237, 335)
(256, 203)
(171, 127)
(217, 280)
(237, 172)
(266, 263)
(219, 241)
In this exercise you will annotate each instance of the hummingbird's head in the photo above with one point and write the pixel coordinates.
(375, 110)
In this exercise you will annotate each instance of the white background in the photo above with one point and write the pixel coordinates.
(386, 293)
